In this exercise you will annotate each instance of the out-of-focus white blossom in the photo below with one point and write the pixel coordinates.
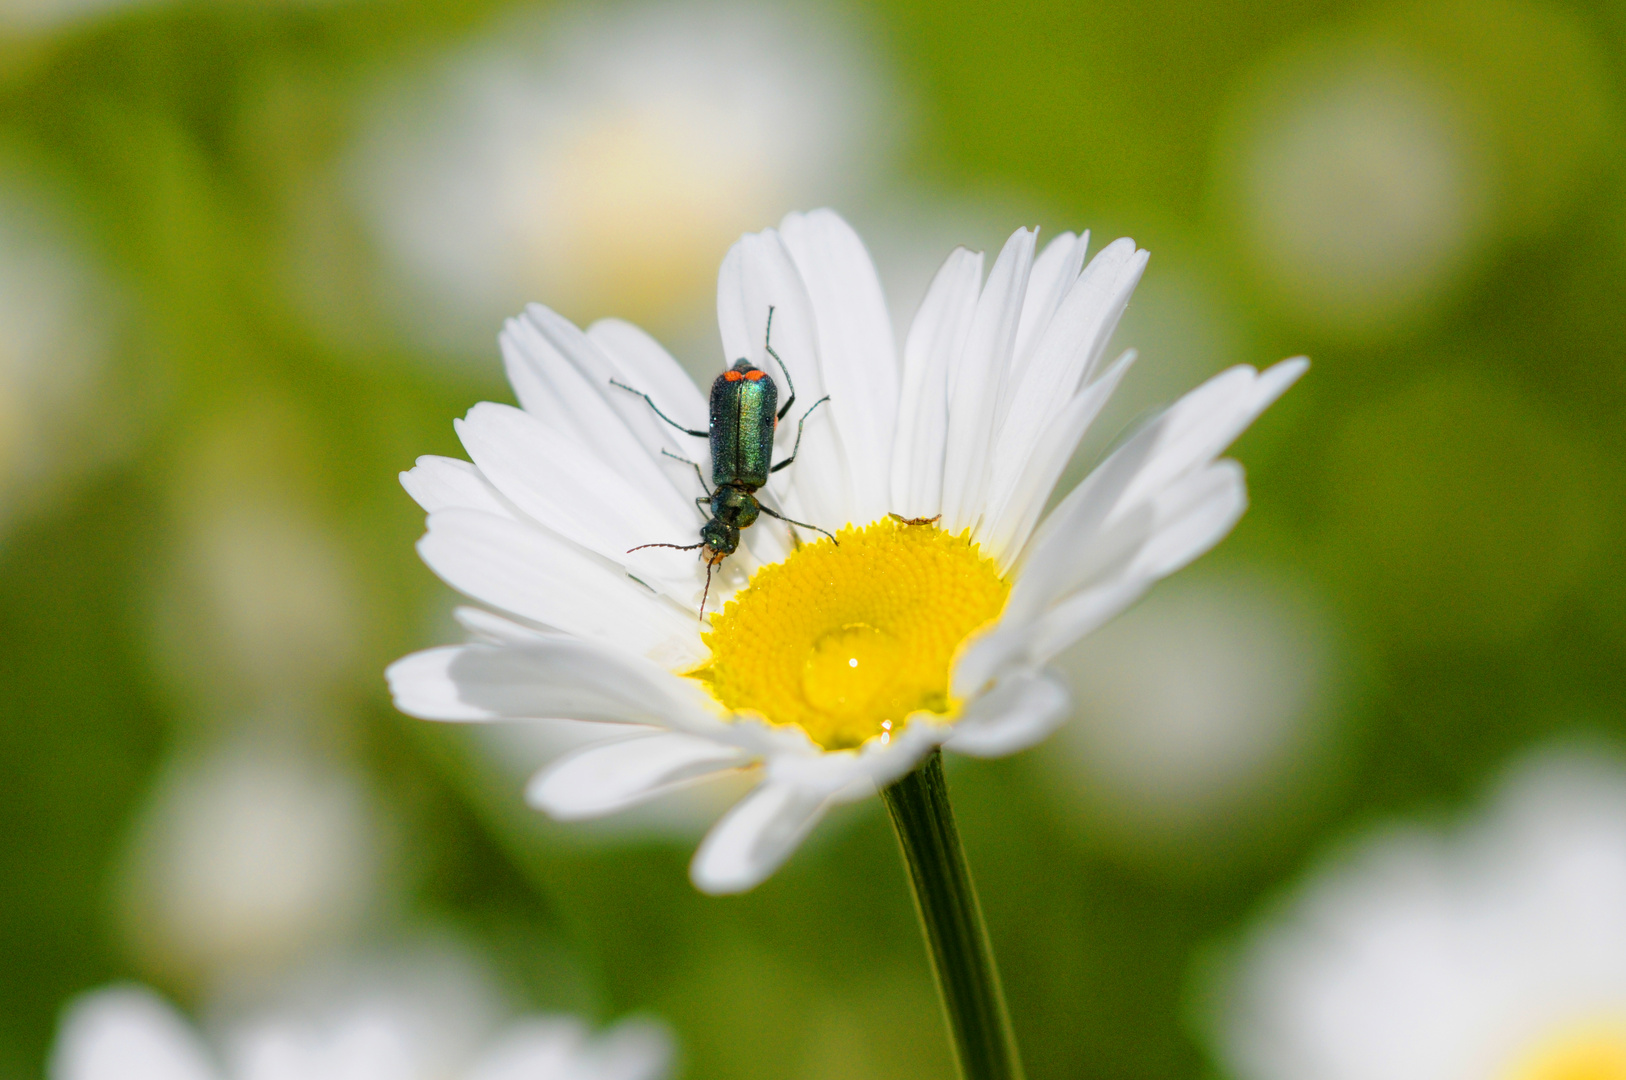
(248, 859)
(57, 318)
(1495, 951)
(279, 594)
(1358, 184)
(1204, 704)
(420, 1018)
(262, 602)
(605, 159)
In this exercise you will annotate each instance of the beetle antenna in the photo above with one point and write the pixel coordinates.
(707, 594)
(678, 547)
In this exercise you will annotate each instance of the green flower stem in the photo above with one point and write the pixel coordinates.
(952, 920)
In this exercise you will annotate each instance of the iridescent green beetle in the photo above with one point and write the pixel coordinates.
(743, 420)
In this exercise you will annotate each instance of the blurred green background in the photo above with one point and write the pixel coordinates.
(253, 258)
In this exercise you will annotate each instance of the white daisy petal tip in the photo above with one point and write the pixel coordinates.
(1277, 379)
(755, 838)
(608, 777)
(1019, 712)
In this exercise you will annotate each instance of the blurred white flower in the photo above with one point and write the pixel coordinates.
(1358, 184)
(56, 323)
(608, 157)
(408, 1028)
(261, 602)
(1194, 708)
(278, 591)
(1497, 952)
(248, 859)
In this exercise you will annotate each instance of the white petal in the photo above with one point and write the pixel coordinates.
(1203, 423)
(759, 273)
(1185, 438)
(524, 570)
(493, 629)
(127, 1033)
(849, 774)
(1022, 487)
(1010, 649)
(443, 483)
(856, 353)
(565, 486)
(1192, 517)
(565, 380)
(1041, 392)
(1054, 272)
(1017, 713)
(607, 777)
(647, 366)
(616, 424)
(560, 678)
(561, 378)
(755, 837)
(977, 380)
(1077, 583)
(936, 338)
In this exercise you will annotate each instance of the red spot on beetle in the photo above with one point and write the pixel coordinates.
(753, 376)
(732, 376)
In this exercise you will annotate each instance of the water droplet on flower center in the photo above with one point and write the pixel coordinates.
(849, 668)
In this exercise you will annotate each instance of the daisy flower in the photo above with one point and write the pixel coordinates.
(1494, 952)
(831, 665)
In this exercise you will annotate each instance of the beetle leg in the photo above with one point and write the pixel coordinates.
(698, 475)
(798, 444)
(767, 343)
(792, 521)
(663, 416)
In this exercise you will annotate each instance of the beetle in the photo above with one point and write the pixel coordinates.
(744, 415)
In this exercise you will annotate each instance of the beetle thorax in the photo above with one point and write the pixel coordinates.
(735, 505)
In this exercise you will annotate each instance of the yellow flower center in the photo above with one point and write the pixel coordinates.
(847, 640)
(1593, 1051)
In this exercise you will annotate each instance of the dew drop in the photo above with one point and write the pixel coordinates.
(847, 669)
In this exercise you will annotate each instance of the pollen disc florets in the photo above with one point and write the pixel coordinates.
(847, 640)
